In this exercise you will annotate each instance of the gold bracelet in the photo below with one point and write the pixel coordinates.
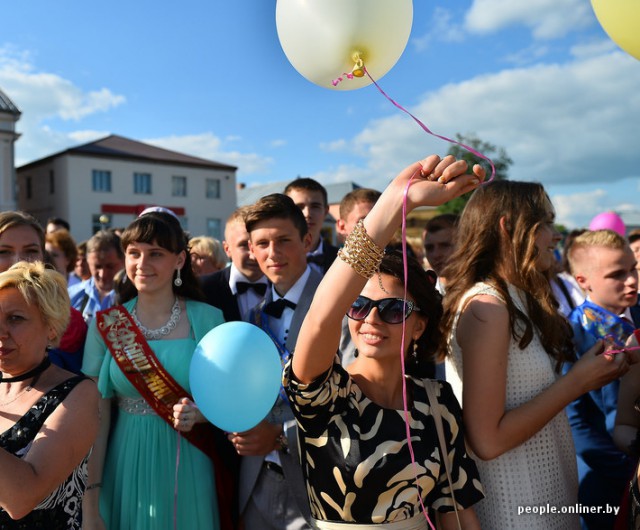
(361, 253)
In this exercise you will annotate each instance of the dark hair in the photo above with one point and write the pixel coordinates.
(441, 222)
(349, 201)
(634, 235)
(275, 206)
(59, 221)
(165, 231)
(421, 285)
(485, 252)
(308, 185)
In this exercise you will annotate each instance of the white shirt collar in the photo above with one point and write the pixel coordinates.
(236, 276)
(293, 294)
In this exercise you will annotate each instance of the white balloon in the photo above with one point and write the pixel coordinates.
(320, 37)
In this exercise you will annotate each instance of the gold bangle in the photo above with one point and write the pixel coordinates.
(361, 253)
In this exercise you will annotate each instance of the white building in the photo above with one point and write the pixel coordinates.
(9, 115)
(107, 183)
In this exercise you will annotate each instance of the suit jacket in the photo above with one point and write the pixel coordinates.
(281, 413)
(329, 254)
(592, 418)
(217, 293)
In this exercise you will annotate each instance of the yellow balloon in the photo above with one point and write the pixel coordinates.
(323, 39)
(621, 20)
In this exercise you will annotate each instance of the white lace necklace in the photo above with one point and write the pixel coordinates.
(155, 334)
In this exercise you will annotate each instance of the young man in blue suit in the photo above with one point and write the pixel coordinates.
(605, 268)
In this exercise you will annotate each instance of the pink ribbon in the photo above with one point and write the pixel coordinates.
(404, 325)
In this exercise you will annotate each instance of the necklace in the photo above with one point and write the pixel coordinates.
(35, 373)
(155, 334)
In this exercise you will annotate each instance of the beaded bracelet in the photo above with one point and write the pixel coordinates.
(361, 253)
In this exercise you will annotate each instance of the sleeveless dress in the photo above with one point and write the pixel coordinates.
(61, 509)
(356, 458)
(540, 474)
(138, 482)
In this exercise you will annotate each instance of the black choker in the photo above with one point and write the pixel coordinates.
(28, 375)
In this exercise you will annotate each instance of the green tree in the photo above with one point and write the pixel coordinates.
(498, 156)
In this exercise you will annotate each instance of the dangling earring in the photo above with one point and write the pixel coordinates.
(178, 281)
(414, 354)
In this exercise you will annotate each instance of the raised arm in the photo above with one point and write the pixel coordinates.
(435, 182)
(484, 336)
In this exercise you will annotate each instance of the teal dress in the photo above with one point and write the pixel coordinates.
(138, 482)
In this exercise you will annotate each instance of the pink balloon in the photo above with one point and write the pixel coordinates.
(608, 221)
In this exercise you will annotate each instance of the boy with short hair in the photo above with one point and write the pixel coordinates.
(605, 268)
(272, 488)
(354, 206)
(242, 285)
(311, 197)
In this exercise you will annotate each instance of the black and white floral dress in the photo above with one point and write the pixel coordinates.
(356, 458)
(61, 509)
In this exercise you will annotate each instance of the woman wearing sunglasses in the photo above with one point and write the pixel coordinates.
(359, 467)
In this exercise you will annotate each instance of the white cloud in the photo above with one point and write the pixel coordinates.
(442, 28)
(278, 143)
(547, 19)
(43, 97)
(209, 146)
(577, 209)
(573, 124)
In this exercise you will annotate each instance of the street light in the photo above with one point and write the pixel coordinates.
(104, 221)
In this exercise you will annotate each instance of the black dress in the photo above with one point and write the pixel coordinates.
(61, 509)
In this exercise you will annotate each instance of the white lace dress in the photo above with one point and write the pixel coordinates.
(539, 475)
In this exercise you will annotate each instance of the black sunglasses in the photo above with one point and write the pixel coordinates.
(391, 310)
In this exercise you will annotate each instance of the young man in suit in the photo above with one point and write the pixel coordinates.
(311, 197)
(272, 488)
(605, 268)
(241, 286)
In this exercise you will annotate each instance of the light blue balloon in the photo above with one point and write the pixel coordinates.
(235, 376)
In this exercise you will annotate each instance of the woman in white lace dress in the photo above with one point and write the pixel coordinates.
(506, 342)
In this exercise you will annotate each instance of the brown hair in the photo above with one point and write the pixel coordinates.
(485, 253)
(307, 184)
(62, 239)
(276, 206)
(354, 197)
(15, 218)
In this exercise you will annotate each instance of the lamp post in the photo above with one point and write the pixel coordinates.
(104, 221)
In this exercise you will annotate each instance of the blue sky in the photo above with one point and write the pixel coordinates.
(539, 78)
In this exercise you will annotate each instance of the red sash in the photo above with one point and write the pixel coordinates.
(161, 391)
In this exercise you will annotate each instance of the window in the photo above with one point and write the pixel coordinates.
(213, 189)
(28, 187)
(101, 180)
(142, 183)
(214, 228)
(179, 186)
(52, 186)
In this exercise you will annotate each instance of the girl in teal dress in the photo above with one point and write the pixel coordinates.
(134, 473)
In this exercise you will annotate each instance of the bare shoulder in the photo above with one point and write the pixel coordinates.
(483, 308)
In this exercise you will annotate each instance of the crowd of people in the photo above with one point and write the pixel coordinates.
(480, 381)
